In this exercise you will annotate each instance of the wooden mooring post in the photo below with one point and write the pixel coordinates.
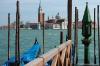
(61, 37)
(94, 40)
(17, 45)
(43, 33)
(8, 37)
(76, 35)
(69, 19)
(98, 33)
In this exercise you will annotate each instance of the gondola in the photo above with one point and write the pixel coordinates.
(28, 56)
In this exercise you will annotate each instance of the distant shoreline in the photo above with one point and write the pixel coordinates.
(41, 29)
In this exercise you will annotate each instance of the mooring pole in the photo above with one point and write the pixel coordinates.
(8, 37)
(43, 33)
(61, 37)
(86, 33)
(94, 40)
(66, 37)
(76, 34)
(98, 33)
(69, 19)
(17, 46)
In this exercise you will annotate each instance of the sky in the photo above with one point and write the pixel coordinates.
(29, 9)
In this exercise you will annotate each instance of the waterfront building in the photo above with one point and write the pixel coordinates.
(31, 26)
(80, 24)
(64, 24)
(56, 23)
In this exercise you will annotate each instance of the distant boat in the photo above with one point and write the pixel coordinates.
(28, 56)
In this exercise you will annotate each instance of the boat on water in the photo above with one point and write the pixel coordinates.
(28, 56)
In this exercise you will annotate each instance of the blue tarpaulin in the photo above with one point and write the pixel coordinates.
(28, 56)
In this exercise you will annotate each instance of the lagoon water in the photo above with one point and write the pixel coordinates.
(52, 38)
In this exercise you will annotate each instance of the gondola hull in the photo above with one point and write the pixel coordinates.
(28, 56)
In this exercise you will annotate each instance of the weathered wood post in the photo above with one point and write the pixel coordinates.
(98, 33)
(17, 46)
(43, 33)
(66, 37)
(61, 37)
(76, 34)
(94, 40)
(86, 32)
(69, 19)
(8, 37)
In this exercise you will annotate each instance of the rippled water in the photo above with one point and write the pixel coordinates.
(52, 39)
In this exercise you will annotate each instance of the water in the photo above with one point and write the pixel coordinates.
(52, 38)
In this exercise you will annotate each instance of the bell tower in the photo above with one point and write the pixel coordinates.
(40, 15)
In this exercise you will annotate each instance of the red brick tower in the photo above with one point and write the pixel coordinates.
(40, 15)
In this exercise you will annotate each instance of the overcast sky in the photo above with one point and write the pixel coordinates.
(29, 9)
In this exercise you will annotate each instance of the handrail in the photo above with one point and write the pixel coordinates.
(59, 56)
